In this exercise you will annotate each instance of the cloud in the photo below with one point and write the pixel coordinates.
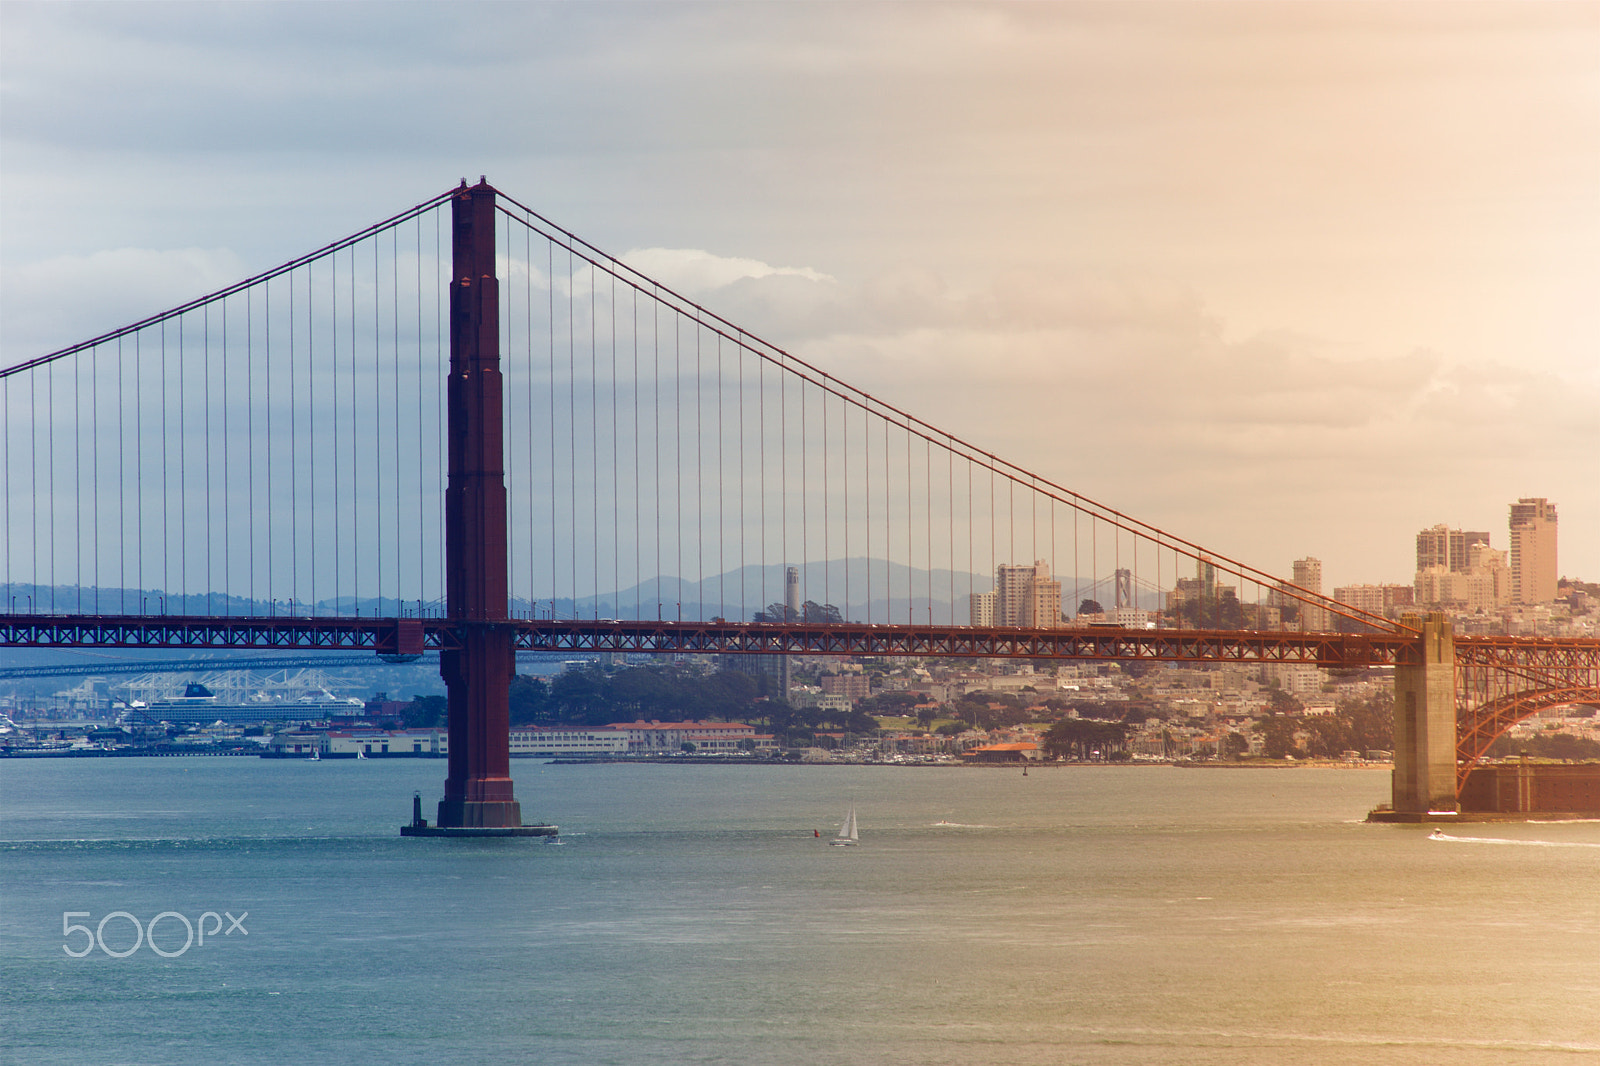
(59, 301)
(693, 271)
(1280, 273)
(1131, 391)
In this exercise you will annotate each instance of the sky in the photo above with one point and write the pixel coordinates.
(1285, 279)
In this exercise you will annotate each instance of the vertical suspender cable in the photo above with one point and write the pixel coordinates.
(5, 495)
(616, 468)
(205, 350)
(655, 392)
(508, 437)
(866, 494)
(677, 449)
(805, 490)
(783, 479)
(967, 507)
(166, 497)
(638, 514)
(441, 277)
(555, 560)
(294, 462)
(761, 465)
(722, 524)
(138, 461)
(394, 376)
(227, 496)
(33, 484)
(250, 441)
(266, 370)
(422, 489)
(333, 392)
(355, 445)
(529, 474)
(572, 420)
(744, 532)
(594, 440)
(993, 537)
(122, 485)
(377, 421)
(699, 466)
(77, 478)
(94, 424)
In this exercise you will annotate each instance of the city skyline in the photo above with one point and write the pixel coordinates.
(1285, 280)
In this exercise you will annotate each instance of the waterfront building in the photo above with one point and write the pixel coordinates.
(646, 738)
(554, 741)
(349, 743)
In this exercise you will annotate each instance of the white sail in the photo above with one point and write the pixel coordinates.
(847, 831)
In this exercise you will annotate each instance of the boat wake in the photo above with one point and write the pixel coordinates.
(1504, 840)
(959, 825)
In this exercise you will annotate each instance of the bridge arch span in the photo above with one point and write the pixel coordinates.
(1481, 725)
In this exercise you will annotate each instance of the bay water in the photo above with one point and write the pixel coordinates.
(696, 914)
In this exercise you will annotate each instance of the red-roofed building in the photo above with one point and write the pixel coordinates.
(1016, 752)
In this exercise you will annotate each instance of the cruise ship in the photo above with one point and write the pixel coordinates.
(200, 706)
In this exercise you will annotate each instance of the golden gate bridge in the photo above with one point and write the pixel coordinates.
(466, 430)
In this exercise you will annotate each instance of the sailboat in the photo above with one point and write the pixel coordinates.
(847, 831)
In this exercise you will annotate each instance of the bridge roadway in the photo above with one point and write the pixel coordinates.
(414, 636)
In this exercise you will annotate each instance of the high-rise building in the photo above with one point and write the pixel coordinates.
(1533, 550)
(1308, 575)
(1308, 617)
(980, 609)
(1448, 548)
(1023, 596)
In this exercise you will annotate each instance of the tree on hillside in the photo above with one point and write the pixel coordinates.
(530, 700)
(426, 712)
(1277, 736)
(1080, 738)
(889, 703)
(1282, 702)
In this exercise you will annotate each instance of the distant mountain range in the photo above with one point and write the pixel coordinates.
(863, 589)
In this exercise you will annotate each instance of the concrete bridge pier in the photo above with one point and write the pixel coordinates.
(1425, 724)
